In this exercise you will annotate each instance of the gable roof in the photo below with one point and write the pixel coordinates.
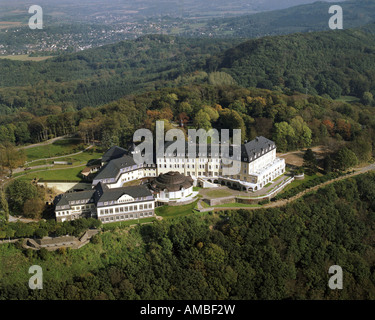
(116, 193)
(64, 199)
(249, 150)
(113, 167)
(114, 152)
(256, 148)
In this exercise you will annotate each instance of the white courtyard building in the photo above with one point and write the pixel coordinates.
(110, 201)
(258, 165)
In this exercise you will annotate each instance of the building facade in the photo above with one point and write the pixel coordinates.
(109, 201)
(106, 204)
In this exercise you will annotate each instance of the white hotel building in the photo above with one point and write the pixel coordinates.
(258, 165)
(109, 201)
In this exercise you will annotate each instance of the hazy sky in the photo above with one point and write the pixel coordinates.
(264, 4)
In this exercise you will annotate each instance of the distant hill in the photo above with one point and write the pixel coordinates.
(302, 18)
(97, 76)
(335, 62)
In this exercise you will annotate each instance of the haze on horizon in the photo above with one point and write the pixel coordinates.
(190, 6)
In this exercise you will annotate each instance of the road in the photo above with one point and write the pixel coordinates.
(50, 141)
(283, 202)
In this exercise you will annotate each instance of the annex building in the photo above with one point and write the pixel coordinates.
(171, 177)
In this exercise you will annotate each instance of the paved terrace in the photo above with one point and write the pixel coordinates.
(224, 191)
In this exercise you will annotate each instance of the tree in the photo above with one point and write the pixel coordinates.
(309, 161)
(18, 192)
(4, 207)
(11, 157)
(33, 208)
(284, 136)
(367, 98)
(302, 132)
(231, 119)
(220, 78)
(327, 164)
(40, 233)
(202, 120)
(345, 159)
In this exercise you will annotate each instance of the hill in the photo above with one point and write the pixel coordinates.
(336, 62)
(302, 18)
(103, 74)
(280, 253)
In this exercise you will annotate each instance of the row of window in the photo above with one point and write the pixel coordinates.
(127, 217)
(81, 201)
(63, 213)
(126, 209)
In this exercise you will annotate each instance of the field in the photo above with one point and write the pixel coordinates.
(176, 211)
(9, 24)
(237, 205)
(218, 193)
(348, 99)
(61, 267)
(296, 183)
(58, 148)
(295, 158)
(82, 158)
(24, 57)
(61, 174)
(113, 225)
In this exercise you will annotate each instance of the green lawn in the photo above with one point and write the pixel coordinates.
(113, 225)
(25, 57)
(348, 99)
(58, 148)
(296, 183)
(81, 158)
(175, 211)
(238, 205)
(268, 184)
(70, 174)
(218, 193)
(279, 177)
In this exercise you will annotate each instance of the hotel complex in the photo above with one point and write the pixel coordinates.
(170, 178)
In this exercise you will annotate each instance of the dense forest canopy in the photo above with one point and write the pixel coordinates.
(331, 63)
(292, 121)
(279, 253)
(340, 62)
(302, 18)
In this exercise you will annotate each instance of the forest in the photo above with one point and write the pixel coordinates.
(278, 253)
(332, 64)
(302, 18)
(293, 121)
